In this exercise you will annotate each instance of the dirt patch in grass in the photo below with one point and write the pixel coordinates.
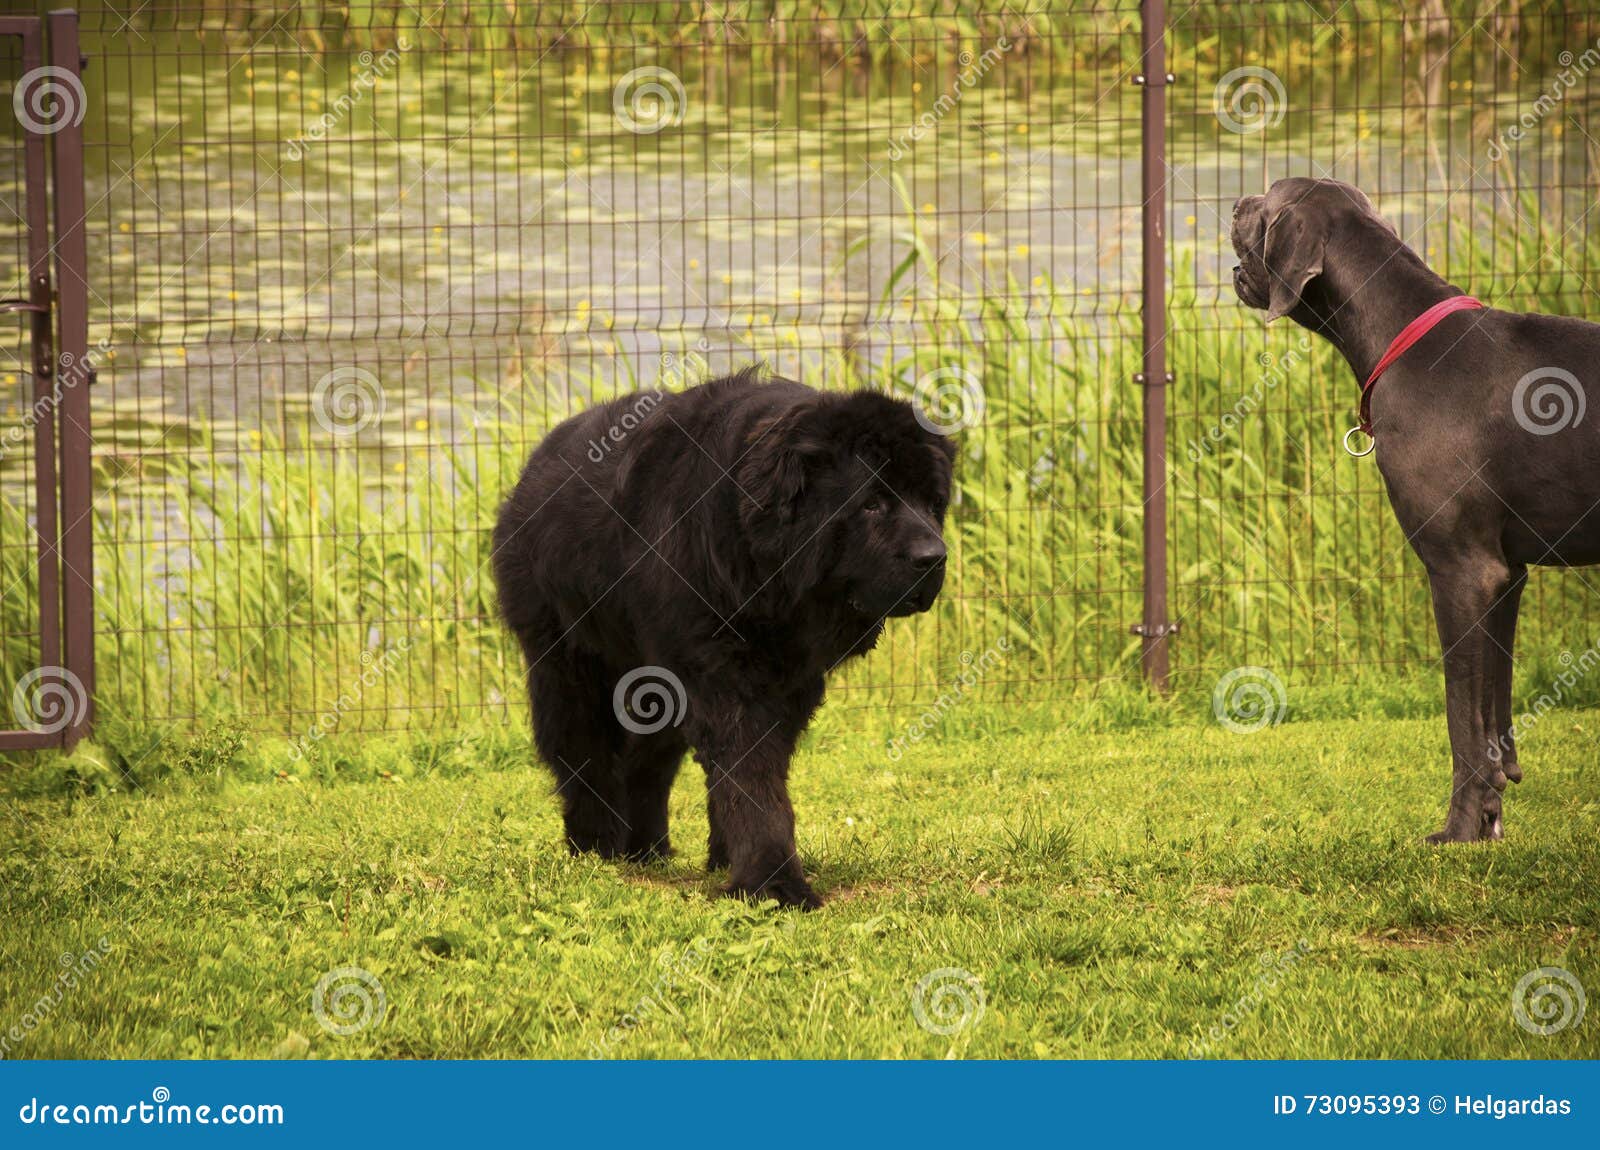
(1411, 938)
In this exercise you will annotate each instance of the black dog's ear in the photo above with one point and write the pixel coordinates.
(772, 475)
(1294, 247)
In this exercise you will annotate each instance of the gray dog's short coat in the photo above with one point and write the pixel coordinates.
(1490, 462)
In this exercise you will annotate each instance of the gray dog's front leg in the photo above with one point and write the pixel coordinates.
(1467, 595)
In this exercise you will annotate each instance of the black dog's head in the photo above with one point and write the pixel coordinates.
(1280, 238)
(846, 494)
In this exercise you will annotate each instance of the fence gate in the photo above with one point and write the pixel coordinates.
(46, 599)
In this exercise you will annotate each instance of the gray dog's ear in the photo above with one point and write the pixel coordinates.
(1293, 254)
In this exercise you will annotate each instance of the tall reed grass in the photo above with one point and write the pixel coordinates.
(287, 589)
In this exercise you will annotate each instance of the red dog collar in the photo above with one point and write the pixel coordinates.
(1413, 331)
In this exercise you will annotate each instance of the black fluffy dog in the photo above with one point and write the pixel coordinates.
(1489, 463)
(683, 570)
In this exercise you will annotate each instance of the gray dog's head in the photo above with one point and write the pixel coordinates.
(1280, 238)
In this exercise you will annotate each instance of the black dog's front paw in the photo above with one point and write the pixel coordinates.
(651, 852)
(605, 844)
(788, 886)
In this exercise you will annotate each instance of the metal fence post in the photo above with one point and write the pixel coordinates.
(1154, 629)
(73, 380)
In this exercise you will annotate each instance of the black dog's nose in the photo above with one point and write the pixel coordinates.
(926, 555)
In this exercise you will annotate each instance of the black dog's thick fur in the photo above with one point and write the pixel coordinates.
(683, 570)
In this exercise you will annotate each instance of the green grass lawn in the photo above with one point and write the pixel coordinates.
(1176, 891)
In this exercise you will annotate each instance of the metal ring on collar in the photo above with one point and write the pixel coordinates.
(1372, 444)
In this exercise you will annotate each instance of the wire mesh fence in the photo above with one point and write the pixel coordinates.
(350, 263)
(1284, 550)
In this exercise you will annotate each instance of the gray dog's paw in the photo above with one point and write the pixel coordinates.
(1490, 826)
(1475, 822)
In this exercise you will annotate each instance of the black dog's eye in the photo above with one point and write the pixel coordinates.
(877, 505)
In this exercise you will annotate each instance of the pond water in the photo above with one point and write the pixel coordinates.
(505, 229)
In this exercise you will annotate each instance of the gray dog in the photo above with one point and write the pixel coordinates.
(1480, 437)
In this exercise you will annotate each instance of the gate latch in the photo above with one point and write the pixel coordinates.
(21, 305)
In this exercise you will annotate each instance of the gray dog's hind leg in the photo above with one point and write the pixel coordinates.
(1498, 717)
(1468, 595)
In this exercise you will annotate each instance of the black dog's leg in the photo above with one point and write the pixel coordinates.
(716, 842)
(1466, 594)
(747, 794)
(579, 737)
(590, 810)
(650, 764)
